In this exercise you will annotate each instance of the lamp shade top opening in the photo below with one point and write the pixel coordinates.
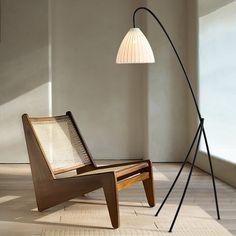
(135, 48)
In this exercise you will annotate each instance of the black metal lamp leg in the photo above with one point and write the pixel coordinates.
(176, 178)
(189, 176)
(201, 127)
(212, 174)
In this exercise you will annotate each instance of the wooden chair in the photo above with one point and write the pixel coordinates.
(55, 146)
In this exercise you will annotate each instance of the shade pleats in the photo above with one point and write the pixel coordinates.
(135, 48)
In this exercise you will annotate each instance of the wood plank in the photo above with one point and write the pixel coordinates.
(132, 180)
(19, 216)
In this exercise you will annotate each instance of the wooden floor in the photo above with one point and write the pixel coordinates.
(16, 195)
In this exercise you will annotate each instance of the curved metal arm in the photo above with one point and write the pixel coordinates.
(176, 53)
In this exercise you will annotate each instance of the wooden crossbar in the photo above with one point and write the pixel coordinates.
(132, 180)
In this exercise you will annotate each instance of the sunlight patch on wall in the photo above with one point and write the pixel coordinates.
(12, 145)
(217, 83)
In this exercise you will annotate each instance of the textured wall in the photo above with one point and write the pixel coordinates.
(167, 99)
(23, 72)
(106, 98)
(124, 111)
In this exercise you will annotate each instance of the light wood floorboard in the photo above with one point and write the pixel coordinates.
(17, 196)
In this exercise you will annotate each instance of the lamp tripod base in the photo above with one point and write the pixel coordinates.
(197, 138)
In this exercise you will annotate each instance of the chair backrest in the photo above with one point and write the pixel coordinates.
(61, 143)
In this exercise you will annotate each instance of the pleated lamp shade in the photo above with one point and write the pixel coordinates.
(135, 48)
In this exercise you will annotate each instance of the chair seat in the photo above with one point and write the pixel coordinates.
(119, 170)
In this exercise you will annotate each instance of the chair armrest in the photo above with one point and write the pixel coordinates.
(123, 164)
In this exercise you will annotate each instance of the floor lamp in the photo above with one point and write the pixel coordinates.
(135, 48)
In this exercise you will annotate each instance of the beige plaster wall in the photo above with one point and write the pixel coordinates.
(192, 66)
(124, 111)
(166, 87)
(106, 98)
(23, 72)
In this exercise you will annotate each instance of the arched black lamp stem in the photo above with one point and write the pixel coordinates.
(176, 53)
(198, 134)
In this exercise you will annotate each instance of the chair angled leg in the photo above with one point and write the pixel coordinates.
(148, 185)
(149, 190)
(111, 195)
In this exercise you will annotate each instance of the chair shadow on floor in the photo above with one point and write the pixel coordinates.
(77, 212)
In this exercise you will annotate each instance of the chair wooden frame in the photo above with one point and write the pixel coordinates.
(50, 190)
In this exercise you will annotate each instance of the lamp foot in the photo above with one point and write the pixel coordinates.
(197, 137)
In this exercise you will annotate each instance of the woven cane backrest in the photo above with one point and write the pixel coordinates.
(60, 142)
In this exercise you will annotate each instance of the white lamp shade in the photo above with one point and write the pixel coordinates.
(135, 48)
